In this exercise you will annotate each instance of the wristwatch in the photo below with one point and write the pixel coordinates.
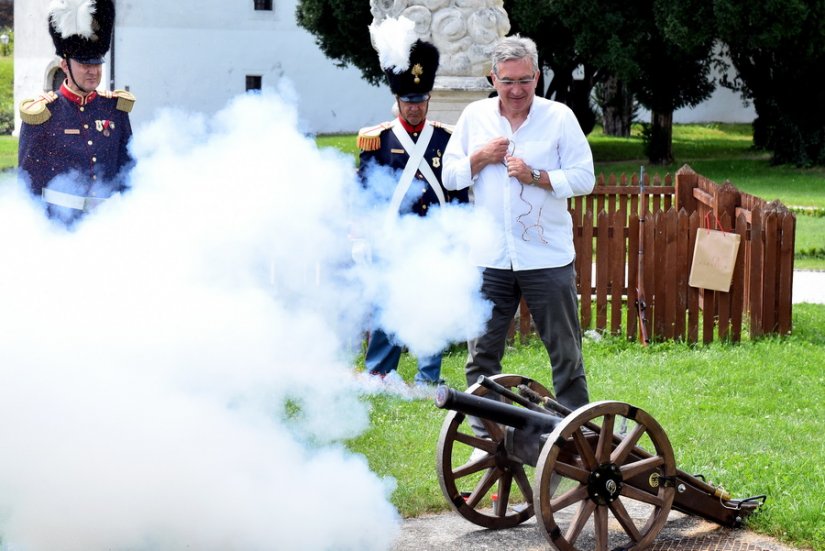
(536, 175)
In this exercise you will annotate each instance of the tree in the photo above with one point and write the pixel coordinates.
(557, 51)
(341, 30)
(6, 14)
(777, 50)
(660, 50)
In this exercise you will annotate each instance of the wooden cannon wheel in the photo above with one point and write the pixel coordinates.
(482, 491)
(613, 460)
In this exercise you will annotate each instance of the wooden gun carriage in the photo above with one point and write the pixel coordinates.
(603, 459)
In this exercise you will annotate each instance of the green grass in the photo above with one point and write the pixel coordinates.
(747, 416)
(8, 153)
(7, 79)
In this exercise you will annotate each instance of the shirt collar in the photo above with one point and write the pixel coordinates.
(76, 98)
(412, 129)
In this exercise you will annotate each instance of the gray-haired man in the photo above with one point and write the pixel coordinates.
(524, 156)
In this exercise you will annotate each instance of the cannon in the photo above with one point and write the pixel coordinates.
(607, 461)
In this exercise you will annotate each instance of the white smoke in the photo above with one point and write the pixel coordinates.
(177, 371)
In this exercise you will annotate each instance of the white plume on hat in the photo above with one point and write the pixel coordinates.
(72, 17)
(393, 39)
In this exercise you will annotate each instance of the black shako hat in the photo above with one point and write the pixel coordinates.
(82, 29)
(415, 84)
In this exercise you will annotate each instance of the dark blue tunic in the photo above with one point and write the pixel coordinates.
(84, 140)
(389, 152)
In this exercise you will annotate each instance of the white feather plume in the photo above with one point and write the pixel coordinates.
(393, 40)
(72, 17)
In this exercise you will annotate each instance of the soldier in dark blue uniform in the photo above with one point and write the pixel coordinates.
(73, 142)
(413, 146)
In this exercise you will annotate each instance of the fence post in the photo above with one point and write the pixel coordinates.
(725, 202)
(686, 182)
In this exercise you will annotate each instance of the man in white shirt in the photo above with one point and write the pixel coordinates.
(524, 156)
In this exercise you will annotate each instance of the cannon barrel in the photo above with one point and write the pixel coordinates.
(530, 421)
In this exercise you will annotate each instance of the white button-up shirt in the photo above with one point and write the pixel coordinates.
(537, 231)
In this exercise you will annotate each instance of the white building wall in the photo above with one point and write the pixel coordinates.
(196, 54)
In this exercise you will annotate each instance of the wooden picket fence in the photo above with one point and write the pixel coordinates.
(610, 249)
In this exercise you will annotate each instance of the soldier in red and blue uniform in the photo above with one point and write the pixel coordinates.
(73, 148)
(412, 146)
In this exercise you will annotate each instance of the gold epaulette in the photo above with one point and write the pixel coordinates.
(369, 138)
(448, 127)
(125, 100)
(34, 111)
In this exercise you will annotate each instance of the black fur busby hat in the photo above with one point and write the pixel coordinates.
(82, 29)
(408, 62)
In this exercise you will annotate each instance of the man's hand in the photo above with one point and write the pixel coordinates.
(492, 152)
(518, 169)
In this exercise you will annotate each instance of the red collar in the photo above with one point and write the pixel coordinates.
(412, 129)
(76, 98)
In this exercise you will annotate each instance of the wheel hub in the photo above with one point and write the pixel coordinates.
(605, 484)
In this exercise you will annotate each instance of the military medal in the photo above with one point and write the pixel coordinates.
(104, 126)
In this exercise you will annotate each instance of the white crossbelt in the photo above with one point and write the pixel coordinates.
(416, 162)
(77, 202)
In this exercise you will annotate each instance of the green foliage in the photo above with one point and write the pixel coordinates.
(775, 47)
(8, 152)
(746, 416)
(6, 95)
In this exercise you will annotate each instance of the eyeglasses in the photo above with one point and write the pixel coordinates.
(508, 82)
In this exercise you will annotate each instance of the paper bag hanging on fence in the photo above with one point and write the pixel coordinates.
(714, 257)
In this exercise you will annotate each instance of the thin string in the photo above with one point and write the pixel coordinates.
(511, 149)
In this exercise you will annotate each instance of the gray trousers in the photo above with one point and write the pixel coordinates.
(550, 294)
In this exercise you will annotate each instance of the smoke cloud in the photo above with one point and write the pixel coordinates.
(177, 370)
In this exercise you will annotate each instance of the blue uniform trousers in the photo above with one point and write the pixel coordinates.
(383, 355)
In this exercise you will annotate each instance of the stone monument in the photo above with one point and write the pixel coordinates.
(464, 31)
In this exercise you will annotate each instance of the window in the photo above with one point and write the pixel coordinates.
(263, 5)
(253, 82)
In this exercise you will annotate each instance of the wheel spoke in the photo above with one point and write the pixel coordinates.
(474, 466)
(523, 482)
(504, 485)
(642, 466)
(641, 495)
(605, 439)
(483, 487)
(572, 471)
(584, 449)
(476, 442)
(600, 527)
(625, 520)
(626, 445)
(495, 430)
(579, 520)
(568, 498)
